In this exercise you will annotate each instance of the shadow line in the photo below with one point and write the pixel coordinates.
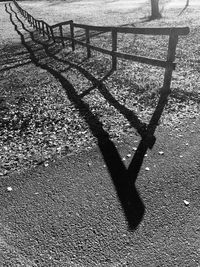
(15, 66)
(185, 7)
(128, 196)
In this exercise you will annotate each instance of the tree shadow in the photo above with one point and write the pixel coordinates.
(185, 7)
(123, 178)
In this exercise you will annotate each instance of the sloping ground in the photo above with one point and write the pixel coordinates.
(40, 121)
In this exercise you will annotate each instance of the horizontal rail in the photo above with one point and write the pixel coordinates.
(155, 31)
(99, 49)
(141, 59)
(62, 23)
(95, 28)
(170, 31)
(146, 60)
(146, 31)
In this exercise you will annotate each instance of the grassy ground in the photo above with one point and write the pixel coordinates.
(41, 120)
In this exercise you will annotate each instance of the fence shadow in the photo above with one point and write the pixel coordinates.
(123, 178)
(127, 113)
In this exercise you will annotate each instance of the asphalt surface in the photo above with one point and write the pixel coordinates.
(72, 212)
(69, 214)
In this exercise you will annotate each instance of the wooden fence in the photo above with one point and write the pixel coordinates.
(168, 64)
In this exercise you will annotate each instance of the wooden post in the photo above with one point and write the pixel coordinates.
(87, 33)
(52, 34)
(36, 24)
(61, 35)
(43, 28)
(173, 40)
(40, 30)
(72, 35)
(114, 49)
(48, 31)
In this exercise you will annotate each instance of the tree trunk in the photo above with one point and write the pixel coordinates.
(155, 13)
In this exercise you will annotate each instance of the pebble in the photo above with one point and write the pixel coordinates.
(161, 152)
(147, 169)
(186, 202)
(9, 188)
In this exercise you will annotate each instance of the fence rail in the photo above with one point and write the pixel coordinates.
(168, 64)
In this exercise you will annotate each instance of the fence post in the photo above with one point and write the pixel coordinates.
(52, 34)
(173, 40)
(87, 33)
(72, 35)
(36, 24)
(39, 23)
(48, 32)
(61, 35)
(114, 48)
(43, 28)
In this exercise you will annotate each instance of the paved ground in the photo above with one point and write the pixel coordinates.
(70, 213)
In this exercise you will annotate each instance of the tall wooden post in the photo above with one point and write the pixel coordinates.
(48, 31)
(43, 31)
(87, 33)
(61, 35)
(173, 40)
(165, 91)
(114, 49)
(52, 34)
(72, 35)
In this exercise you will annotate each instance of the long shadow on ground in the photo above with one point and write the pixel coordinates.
(123, 178)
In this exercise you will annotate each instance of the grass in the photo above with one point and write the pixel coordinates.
(40, 122)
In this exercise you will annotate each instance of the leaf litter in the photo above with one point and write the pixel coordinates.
(38, 121)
